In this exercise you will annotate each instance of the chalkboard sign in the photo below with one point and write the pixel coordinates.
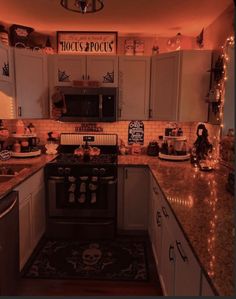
(136, 132)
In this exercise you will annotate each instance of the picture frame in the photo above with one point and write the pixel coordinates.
(87, 42)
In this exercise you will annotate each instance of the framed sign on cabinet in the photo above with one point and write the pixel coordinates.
(87, 42)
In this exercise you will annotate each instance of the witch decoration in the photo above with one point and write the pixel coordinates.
(202, 145)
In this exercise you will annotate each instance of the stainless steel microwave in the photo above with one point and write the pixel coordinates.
(90, 104)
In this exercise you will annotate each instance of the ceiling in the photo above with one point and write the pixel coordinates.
(144, 17)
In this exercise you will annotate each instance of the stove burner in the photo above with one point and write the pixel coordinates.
(74, 159)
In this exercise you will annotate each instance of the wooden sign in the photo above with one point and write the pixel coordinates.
(84, 42)
(136, 132)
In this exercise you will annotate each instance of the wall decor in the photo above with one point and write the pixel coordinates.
(136, 132)
(86, 42)
(19, 35)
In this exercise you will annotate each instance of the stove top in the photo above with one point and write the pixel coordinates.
(71, 159)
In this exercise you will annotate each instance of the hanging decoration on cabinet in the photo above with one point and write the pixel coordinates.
(62, 76)
(200, 39)
(109, 77)
(5, 69)
(136, 132)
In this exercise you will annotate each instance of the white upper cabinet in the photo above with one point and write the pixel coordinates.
(134, 81)
(103, 69)
(179, 85)
(64, 69)
(31, 79)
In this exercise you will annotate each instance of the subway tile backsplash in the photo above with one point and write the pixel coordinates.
(152, 129)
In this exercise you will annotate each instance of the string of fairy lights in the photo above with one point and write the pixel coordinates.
(221, 86)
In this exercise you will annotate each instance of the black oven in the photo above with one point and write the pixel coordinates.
(82, 193)
(90, 104)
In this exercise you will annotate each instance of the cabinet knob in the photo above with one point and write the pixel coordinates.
(181, 251)
(165, 212)
(19, 111)
(171, 253)
(150, 113)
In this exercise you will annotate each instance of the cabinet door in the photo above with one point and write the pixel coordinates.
(194, 85)
(187, 269)
(134, 80)
(103, 69)
(164, 86)
(38, 214)
(25, 230)
(67, 68)
(31, 84)
(136, 187)
(157, 223)
(167, 269)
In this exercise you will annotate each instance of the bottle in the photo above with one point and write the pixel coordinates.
(16, 147)
(180, 132)
(31, 127)
(20, 127)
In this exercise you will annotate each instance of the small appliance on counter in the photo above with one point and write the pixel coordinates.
(174, 148)
(153, 148)
(25, 146)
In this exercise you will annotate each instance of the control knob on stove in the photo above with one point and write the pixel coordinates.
(67, 171)
(102, 171)
(60, 170)
(95, 171)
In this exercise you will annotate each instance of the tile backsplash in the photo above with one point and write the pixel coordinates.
(152, 129)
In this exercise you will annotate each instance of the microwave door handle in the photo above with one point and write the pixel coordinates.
(100, 106)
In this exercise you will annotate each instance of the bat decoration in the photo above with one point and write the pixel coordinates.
(199, 39)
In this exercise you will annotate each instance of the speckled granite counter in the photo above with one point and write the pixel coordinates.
(204, 210)
(202, 206)
(35, 164)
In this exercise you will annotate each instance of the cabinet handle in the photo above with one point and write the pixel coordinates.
(171, 257)
(155, 190)
(19, 111)
(181, 251)
(126, 174)
(120, 112)
(165, 212)
(150, 113)
(83, 77)
(158, 217)
(88, 77)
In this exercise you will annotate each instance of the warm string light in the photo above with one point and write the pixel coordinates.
(229, 43)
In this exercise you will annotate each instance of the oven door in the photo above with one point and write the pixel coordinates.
(82, 198)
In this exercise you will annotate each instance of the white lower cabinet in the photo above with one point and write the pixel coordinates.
(206, 289)
(133, 198)
(177, 266)
(31, 214)
(25, 229)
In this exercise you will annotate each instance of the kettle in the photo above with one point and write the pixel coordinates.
(153, 148)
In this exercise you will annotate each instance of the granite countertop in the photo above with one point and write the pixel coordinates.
(35, 164)
(199, 200)
(204, 210)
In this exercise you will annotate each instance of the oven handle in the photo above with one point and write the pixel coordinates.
(56, 178)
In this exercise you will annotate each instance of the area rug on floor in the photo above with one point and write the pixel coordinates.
(104, 260)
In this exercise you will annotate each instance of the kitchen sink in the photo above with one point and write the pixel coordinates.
(12, 169)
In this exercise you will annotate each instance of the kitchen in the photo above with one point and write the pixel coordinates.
(161, 86)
